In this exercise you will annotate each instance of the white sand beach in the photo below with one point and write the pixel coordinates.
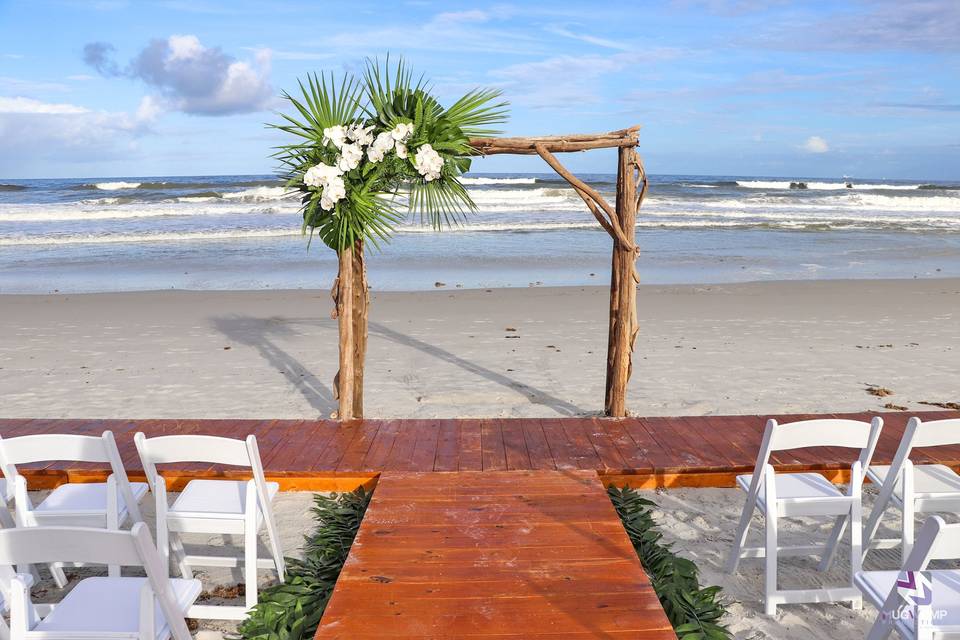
(771, 347)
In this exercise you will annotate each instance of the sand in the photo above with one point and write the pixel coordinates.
(700, 522)
(771, 347)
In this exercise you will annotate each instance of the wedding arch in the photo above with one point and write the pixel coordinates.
(351, 292)
(360, 142)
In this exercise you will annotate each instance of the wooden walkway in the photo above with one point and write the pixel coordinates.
(641, 452)
(530, 554)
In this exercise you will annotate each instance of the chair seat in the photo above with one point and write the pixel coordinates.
(83, 497)
(112, 605)
(215, 499)
(929, 480)
(793, 486)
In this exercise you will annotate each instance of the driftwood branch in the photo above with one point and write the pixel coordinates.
(557, 144)
(589, 195)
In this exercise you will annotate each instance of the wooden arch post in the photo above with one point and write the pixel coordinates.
(618, 221)
(351, 293)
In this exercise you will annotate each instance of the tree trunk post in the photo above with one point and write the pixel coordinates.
(361, 306)
(623, 288)
(345, 322)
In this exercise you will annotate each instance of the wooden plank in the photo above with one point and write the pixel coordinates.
(425, 450)
(515, 445)
(471, 445)
(382, 445)
(560, 446)
(537, 445)
(494, 452)
(477, 555)
(448, 446)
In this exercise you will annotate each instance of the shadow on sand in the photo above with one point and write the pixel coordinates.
(263, 334)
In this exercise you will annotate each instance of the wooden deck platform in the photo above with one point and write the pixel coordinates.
(641, 452)
(530, 554)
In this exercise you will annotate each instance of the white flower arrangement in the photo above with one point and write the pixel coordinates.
(328, 179)
(428, 163)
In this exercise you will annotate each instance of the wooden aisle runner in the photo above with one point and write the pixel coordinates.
(524, 554)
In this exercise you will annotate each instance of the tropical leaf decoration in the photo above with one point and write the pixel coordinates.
(695, 612)
(369, 152)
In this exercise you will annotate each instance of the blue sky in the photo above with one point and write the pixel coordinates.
(726, 87)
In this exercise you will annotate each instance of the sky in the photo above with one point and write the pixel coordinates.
(99, 88)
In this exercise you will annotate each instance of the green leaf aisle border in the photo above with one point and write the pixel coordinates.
(694, 611)
(292, 610)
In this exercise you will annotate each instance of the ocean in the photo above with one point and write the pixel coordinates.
(243, 232)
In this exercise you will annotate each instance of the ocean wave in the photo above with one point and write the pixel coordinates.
(118, 209)
(12, 187)
(148, 237)
(116, 186)
(176, 184)
(487, 181)
(262, 194)
(846, 201)
(822, 186)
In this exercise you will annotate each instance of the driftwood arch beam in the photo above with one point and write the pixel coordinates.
(618, 220)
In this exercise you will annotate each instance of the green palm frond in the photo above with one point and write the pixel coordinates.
(474, 112)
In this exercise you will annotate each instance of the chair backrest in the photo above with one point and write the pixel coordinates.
(197, 448)
(68, 447)
(935, 433)
(936, 540)
(826, 432)
(44, 545)
(52, 446)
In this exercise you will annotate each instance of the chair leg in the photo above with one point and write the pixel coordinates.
(907, 536)
(770, 575)
(59, 577)
(856, 549)
(250, 563)
(273, 538)
(839, 526)
(881, 628)
(733, 561)
(180, 555)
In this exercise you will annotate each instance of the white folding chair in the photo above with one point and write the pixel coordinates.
(787, 495)
(101, 608)
(103, 505)
(914, 489)
(936, 541)
(214, 506)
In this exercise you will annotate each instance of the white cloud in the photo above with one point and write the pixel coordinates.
(12, 56)
(20, 86)
(192, 77)
(815, 144)
(40, 132)
(279, 54)
(29, 105)
(589, 39)
(568, 81)
(452, 31)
